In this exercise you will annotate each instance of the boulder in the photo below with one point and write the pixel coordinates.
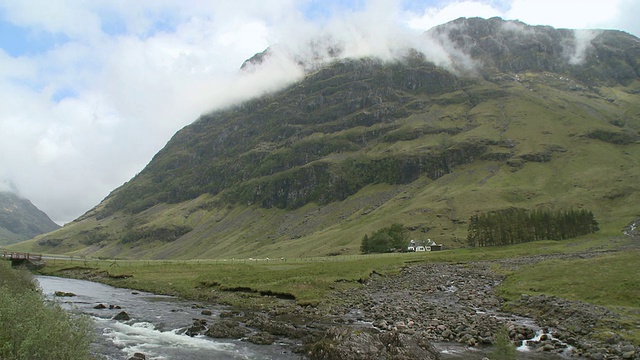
(226, 329)
(278, 328)
(122, 316)
(64, 294)
(349, 343)
(261, 338)
(199, 327)
(100, 306)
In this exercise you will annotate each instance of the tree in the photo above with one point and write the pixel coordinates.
(513, 226)
(384, 240)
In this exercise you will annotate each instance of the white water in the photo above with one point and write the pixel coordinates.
(539, 335)
(154, 326)
(145, 338)
(524, 347)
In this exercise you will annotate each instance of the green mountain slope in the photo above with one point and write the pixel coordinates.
(521, 117)
(21, 220)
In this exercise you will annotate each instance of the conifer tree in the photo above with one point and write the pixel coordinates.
(513, 226)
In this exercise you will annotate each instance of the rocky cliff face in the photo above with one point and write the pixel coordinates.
(21, 220)
(424, 140)
(593, 57)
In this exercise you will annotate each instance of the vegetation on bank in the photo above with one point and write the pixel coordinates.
(33, 328)
(610, 280)
(504, 348)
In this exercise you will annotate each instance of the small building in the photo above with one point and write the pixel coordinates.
(420, 246)
(412, 246)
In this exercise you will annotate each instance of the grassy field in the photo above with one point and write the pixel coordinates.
(307, 280)
(610, 280)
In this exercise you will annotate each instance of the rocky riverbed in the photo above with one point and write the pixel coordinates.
(401, 316)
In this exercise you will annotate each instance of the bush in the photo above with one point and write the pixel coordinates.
(389, 239)
(504, 348)
(33, 328)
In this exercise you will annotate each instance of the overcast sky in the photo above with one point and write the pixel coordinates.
(92, 89)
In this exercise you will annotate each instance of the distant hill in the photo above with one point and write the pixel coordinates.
(21, 220)
(510, 115)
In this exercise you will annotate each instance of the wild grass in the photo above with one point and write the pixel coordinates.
(308, 280)
(610, 280)
(607, 280)
(35, 329)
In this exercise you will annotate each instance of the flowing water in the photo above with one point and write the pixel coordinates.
(154, 328)
(156, 321)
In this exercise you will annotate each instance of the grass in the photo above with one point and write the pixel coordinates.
(306, 279)
(607, 280)
(610, 280)
(28, 322)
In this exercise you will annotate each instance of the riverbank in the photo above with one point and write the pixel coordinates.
(406, 302)
(28, 322)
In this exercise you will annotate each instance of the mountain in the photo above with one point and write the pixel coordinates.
(482, 115)
(21, 220)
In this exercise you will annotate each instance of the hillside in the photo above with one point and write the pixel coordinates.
(21, 220)
(518, 116)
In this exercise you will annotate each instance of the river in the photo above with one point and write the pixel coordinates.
(156, 320)
(154, 326)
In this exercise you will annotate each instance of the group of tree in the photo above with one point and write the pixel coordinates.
(513, 226)
(33, 328)
(388, 239)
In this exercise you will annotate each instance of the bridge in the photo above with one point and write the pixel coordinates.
(31, 261)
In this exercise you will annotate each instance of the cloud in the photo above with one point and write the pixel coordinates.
(84, 116)
(576, 52)
(81, 116)
(8, 186)
(433, 16)
(570, 14)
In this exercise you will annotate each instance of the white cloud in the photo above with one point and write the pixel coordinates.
(433, 16)
(570, 14)
(84, 116)
(577, 52)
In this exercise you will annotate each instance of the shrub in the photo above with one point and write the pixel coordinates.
(387, 239)
(504, 348)
(33, 328)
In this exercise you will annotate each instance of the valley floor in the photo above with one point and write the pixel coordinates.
(463, 302)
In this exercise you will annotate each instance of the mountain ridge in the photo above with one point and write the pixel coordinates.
(361, 143)
(21, 220)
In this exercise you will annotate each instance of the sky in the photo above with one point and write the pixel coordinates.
(92, 89)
